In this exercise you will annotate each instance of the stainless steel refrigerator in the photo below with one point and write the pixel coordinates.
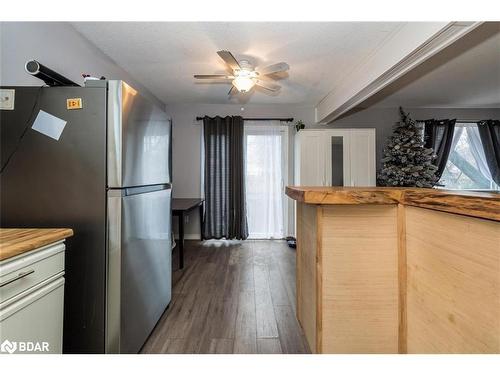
(108, 177)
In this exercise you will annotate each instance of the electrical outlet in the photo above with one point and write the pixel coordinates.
(7, 99)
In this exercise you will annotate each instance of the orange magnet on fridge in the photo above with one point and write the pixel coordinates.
(74, 103)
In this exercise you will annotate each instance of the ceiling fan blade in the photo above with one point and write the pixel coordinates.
(230, 90)
(267, 85)
(274, 68)
(229, 59)
(212, 76)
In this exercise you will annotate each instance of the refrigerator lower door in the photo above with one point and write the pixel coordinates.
(139, 265)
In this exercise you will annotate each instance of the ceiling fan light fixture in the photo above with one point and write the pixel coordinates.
(245, 75)
(243, 83)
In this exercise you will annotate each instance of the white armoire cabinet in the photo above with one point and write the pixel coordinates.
(335, 157)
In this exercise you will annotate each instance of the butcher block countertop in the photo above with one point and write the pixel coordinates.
(476, 204)
(17, 241)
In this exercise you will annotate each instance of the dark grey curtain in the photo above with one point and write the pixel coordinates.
(489, 131)
(225, 211)
(438, 135)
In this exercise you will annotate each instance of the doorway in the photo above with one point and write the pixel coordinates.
(266, 174)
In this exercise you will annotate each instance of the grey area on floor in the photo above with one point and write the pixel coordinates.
(231, 297)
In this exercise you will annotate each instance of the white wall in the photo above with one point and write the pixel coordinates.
(58, 46)
(187, 144)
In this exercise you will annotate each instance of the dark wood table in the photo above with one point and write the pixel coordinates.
(180, 208)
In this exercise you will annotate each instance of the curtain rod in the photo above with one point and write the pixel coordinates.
(198, 118)
(457, 121)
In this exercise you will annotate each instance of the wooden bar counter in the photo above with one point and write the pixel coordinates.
(389, 270)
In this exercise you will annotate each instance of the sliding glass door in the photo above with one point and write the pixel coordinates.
(266, 171)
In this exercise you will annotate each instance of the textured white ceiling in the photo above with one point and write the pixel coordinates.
(164, 56)
(465, 75)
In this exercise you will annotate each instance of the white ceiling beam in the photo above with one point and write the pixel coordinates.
(403, 50)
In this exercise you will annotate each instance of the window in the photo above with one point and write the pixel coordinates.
(466, 168)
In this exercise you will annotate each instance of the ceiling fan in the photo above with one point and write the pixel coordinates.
(245, 76)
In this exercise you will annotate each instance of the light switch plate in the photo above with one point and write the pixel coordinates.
(7, 99)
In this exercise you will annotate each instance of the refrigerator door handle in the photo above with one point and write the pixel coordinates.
(145, 189)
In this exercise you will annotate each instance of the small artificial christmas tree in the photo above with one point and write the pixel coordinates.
(406, 161)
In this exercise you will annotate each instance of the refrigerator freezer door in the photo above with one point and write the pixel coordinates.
(139, 265)
(139, 139)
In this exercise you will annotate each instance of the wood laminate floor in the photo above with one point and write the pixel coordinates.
(231, 297)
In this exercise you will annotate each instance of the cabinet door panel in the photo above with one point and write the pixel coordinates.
(35, 318)
(362, 157)
(312, 158)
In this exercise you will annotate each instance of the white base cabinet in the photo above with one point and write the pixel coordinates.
(31, 301)
(335, 157)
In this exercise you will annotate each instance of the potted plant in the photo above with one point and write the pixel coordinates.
(299, 125)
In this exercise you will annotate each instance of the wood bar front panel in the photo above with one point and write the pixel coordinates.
(453, 300)
(359, 261)
(307, 228)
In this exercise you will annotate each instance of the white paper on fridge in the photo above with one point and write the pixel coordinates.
(49, 125)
